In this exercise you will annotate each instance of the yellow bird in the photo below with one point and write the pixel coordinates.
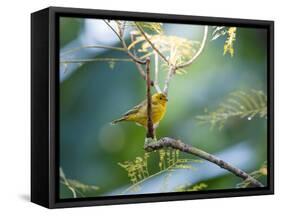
(138, 114)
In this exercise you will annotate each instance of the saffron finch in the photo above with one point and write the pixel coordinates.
(138, 113)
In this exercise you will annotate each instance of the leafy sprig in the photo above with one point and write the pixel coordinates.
(197, 187)
(240, 104)
(169, 161)
(230, 34)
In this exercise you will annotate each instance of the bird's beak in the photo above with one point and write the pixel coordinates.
(166, 99)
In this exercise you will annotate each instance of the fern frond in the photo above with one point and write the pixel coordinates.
(137, 170)
(196, 187)
(169, 161)
(239, 104)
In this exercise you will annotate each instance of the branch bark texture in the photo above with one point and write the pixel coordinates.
(177, 144)
(150, 128)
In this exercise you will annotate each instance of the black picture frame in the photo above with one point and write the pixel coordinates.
(45, 113)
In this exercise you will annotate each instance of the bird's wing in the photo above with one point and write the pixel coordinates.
(135, 109)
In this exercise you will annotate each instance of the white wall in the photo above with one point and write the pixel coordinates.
(15, 106)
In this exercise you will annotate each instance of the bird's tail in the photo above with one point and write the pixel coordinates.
(118, 120)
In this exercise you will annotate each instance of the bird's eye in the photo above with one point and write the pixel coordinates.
(160, 98)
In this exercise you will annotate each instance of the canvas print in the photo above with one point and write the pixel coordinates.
(151, 108)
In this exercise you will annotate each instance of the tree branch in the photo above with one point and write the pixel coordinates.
(69, 61)
(136, 59)
(172, 69)
(156, 72)
(150, 128)
(189, 62)
(92, 46)
(151, 44)
(177, 144)
(139, 66)
(116, 33)
(168, 79)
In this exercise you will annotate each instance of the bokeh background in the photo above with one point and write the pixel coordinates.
(95, 93)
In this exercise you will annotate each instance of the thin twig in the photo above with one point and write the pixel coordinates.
(73, 191)
(156, 72)
(168, 79)
(66, 183)
(172, 69)
(122, 28)
(189, 62)
(177, 144)
(139, 66)
(116, 33)
(151, 44)
(150, 129)
(92, 46)
(136, 59)
(65, 68)
(68, 61)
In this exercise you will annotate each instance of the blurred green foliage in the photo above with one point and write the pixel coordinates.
(70, 29)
